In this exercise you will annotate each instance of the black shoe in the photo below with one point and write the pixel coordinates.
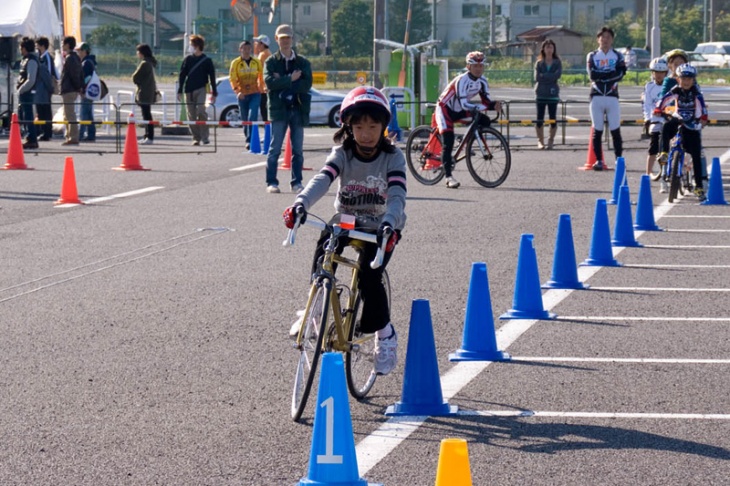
(44, 139)
(30, 145)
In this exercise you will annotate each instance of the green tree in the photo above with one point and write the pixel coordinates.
(311, 44)
(112, 36)
(420, 20)
(481, 28)
(352, 38)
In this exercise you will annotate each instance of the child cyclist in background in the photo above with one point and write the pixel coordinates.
(690, 108)
(371, 187)
(454, 104)
(649, 99)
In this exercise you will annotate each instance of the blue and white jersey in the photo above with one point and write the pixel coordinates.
(605, 70)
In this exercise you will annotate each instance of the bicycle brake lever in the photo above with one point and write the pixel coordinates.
(380, 255)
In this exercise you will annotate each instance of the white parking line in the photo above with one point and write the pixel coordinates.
(639, 318)
(697, 230)
(611, 415)
(621, 360)
(662, 289)
(249, 167)
(114, 196)
(716, 247)
(670, 265)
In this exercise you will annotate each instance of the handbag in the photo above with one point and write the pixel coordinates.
(93, 88)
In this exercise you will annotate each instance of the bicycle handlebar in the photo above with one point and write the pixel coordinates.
(354, 234)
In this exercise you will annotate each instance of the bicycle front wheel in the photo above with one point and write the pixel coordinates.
(423, 155)
(359, 360)
(675, 177)
(488, 157)
(310, 347)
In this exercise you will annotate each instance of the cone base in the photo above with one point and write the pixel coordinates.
(630, 244)
(642, 227)
(707, 202)
(518, 314)
(595, 262)
(122, 167)
(590, 168)
(554, 284)
(359, 482)
(466, 355)
(68, 201)
(16, 167)
(430, 409)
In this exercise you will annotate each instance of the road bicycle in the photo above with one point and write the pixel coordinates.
(332, 316)
(486, 151)
(679, 176)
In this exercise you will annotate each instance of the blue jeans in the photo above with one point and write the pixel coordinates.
(87, 114)
(25, 102)
(248, 107)
(278, 131)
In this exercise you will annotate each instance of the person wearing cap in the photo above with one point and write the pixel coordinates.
(196, 72)
(262, 52)
(244, 76)
(72, 83)
(88, 65)
(27, 83)
(288, 78)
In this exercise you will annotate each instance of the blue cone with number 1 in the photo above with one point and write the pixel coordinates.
(332, 460)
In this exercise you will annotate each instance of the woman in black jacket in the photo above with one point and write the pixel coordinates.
(548, 70)
(145, 97)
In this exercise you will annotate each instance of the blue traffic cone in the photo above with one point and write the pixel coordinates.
(715, 193)
(619, 179)
(421, 382)
(332, 460)
(527, 301)
(645, 207)
(623, 227)
(480, 340)
(255, 147)
(393, 127)
(601, 253)
(267, 138)
(565, 270)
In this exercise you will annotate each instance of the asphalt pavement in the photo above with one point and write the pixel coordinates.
(144, 334)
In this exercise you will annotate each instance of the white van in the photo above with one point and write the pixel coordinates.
(717, 53)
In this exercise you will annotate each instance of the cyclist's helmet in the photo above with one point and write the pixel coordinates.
(365, 97)
(475, 57)
(659, 65)
(676, 52)
(686, 71)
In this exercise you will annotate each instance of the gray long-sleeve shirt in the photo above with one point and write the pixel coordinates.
(373, 191)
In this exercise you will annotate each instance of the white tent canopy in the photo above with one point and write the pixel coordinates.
(30, 18)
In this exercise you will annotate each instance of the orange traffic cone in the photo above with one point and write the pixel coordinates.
(591, 157)
(69, 194)
(130, 158)
(16, 159)
(286, 165)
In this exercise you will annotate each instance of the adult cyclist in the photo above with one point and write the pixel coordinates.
(454, 104)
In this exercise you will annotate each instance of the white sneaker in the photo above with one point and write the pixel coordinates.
(294, 329)
(663, 186)
(297, 188)
(273, 189)
(452, 183)
(386, 353)
(145, 141)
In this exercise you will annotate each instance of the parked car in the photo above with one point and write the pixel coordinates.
(698, 60)
(643, 57)
(325, 105)
(717, 53)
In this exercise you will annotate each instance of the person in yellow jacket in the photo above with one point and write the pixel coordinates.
(244, 77)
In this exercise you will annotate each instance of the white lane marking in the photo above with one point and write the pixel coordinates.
(248, 167)
(708, 247)
(687, 230)
(622, 360)
(669, 265)
(695, 216)
(662, 289)
(639, 318)
(611, 415)
(114, 196)
(375, 447)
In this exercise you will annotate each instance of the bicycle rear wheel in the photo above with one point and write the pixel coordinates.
(488, 157)
(423, 155)
(310, 347)
(359, 361)
(675, 182)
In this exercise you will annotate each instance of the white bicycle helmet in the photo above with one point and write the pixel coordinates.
(475, 57)
(659, 65)
(686, 71)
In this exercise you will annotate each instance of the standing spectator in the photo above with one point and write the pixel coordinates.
(72, 83)
(88, 65)
(144, 79)
(606, 68)
(29, 68)
(43, 107)
(244, 76)
(262, 52)
(548, 70)
(197, 70)
(630, 57)
(288, 78)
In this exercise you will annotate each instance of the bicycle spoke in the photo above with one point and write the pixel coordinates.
(423, 155)
(488, 157)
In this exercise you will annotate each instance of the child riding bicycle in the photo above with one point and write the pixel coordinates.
(690, 109)
(454, 105)
(372, 188)
(649, 98)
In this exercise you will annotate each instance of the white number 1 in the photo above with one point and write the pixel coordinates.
(329, 457)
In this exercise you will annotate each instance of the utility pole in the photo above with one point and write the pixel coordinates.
(712, 20)
(647, 34)
(655, 32)
(293, 10)
(141, 21)
(492, 24)
(327, 28)
(378, 33)
(155, 26)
